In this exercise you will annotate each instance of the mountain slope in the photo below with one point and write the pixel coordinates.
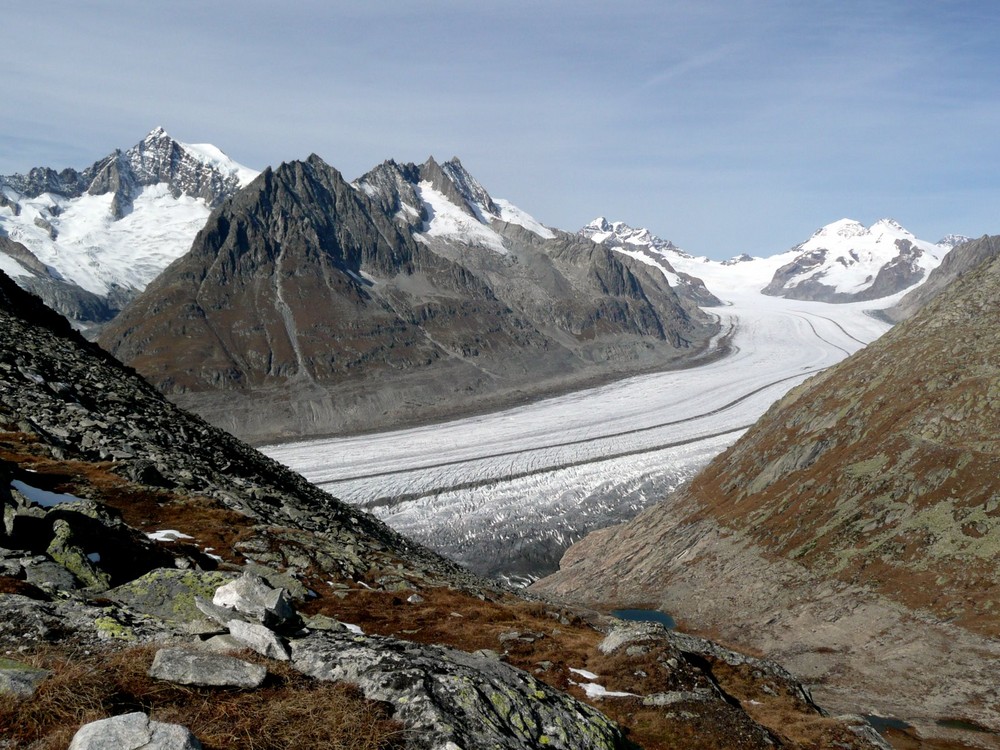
(964, 258)
(862, 511)
(646, 247)
(109, 230)
(302, 288)
(848, 262)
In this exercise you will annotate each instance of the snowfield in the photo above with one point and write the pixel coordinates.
(505, 493)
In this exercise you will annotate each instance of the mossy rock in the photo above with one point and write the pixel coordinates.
(20, 679)
(169, 594)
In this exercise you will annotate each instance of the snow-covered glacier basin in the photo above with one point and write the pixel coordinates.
(505, 493)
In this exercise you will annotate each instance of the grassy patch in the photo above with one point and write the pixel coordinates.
(288, 711)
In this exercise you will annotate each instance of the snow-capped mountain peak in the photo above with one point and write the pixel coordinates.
(110, 229)
(953, 240)
(208, 155)
(618, 233)
(847, 261)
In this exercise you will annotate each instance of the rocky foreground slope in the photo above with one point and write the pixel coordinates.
(303, 290)
(161, 580)
(854, 531)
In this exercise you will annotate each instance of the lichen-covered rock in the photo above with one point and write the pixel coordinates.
(20, 679)
(446, 696)
(199, 668)
(133, 731)
(169, 594)
(75, 560)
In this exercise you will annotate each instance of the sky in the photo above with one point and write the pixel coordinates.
(726, 126)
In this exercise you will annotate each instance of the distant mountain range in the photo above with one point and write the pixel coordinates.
(293, 288)
(310, 304)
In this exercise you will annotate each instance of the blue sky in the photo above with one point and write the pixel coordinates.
(729, 126)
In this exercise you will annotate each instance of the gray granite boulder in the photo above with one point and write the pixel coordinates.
(251, 595)
(449, 698)
(133, 731)
(200, 668)
(259, 638)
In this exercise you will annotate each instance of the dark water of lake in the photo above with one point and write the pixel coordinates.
(645, 615)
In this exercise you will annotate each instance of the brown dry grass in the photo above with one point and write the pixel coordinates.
(143, 508)
(288, 711)
(463, 621)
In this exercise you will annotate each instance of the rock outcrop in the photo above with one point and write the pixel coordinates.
(962, 259)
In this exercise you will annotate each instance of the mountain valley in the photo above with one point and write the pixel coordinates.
(793, 455)
(138, 542)
(852, 526)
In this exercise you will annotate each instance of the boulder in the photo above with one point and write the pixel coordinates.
(259, 638)
(169, 594)
(133, 731)
(199, 668)
(449, 698)
(629, 633)
(20, 679)
(251, 595)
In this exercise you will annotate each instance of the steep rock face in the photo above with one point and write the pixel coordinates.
(848, 262)
(102, 234)
(654, 251)
(963, 258)
(881, 473)
(302, 288)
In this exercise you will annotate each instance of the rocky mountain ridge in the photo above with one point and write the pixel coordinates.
(966, 256)
(138, 542)
(646, 247)
(448, 305)
(100, 235)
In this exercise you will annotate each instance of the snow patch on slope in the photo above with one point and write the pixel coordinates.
(12, 268)
(214, 157)
(447, 221)
(514, 215)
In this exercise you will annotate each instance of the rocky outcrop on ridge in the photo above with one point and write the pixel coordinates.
(646, 246)
(864, 506)
(444, 324)
(963, 258)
